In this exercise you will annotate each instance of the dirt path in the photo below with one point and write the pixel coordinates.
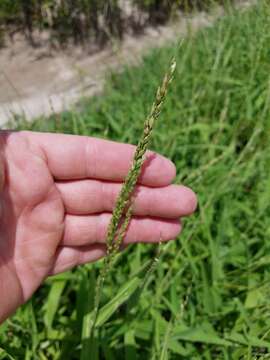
(35, 83)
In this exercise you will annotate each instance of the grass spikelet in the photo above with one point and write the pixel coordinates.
(129, 185)
(122, 213)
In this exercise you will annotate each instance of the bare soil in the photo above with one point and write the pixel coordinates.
(38, 81)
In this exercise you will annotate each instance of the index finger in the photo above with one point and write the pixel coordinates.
(79, 157)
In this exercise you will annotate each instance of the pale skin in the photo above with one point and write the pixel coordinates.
(57, 194)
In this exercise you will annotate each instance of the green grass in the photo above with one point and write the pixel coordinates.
(208, 297)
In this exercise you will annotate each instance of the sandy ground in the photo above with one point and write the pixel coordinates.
(35, 82)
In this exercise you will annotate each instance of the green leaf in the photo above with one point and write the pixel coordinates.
(130, 345)
(204, 334)
(177, 348)
(254, 298)
(248, 340)
(4, 355)
(53, 301)
(122, 296)
(85, 302)
(143, 329)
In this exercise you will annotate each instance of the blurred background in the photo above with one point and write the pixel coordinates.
(92, 68)
(55, 52)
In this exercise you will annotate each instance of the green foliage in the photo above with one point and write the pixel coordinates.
(209, 295)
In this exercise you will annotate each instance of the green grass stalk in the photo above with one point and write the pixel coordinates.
(122, 213)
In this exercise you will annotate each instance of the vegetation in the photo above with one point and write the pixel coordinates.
(208, 297)
(122, 213)
(84, 21)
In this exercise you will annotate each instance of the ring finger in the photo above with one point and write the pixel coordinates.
(88, 230)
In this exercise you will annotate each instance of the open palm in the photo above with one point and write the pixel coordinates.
(57, 196)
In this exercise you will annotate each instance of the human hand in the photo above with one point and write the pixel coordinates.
(57, 193)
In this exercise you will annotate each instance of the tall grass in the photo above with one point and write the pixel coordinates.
(209, 295)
